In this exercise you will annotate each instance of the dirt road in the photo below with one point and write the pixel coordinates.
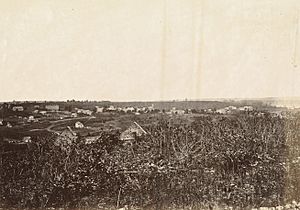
(61, 122)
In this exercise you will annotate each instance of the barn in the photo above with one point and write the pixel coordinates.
(135, 130)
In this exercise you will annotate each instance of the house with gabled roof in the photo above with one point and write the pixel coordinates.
(65, 138)
(135, 130)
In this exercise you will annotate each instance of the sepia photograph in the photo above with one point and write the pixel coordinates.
(149, 105)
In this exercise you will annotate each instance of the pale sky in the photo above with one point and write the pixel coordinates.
(149, 49)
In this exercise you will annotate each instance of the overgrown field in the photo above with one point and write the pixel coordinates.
(242, 161)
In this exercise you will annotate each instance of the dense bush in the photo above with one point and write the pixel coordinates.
(45, 173)
(237, 160)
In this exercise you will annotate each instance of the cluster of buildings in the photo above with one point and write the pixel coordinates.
(22, 113)
(56, 108)
(175, 111)
(131, 133)
(128, 109)
(18, 108)
(231, 110)
(83, 111)
(36, 112)
(49, 109)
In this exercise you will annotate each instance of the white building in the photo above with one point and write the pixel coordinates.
(151, 108)
(208, 110)
(30, 119)
(18, 108)
(74, 115)
(222, 111)
(79, 125)
(139, 109)
(129, 109)
(173, 110)
(226, 110)
(84, 111)
(99, 109)
(53, 107)
(111, 108)
(177, 111)
(26, 139)
(43, 112)
(246, 108)
(231, 108)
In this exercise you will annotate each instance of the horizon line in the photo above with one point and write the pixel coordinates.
(165, 100)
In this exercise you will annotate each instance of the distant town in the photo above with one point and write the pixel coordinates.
(74, 144)
(89, 118)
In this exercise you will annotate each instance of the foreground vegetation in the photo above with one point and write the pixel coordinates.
(242, 161)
